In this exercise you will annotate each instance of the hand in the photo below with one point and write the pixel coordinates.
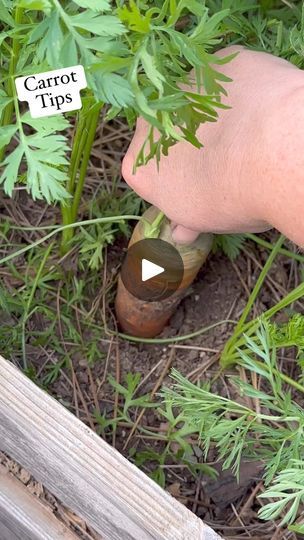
(231, 184)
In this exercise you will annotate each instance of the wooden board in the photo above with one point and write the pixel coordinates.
(84, 472)
(24, 517)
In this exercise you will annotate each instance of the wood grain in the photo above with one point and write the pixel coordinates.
(83, 471)
(24, 517)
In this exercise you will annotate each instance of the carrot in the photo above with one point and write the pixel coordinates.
(147, 319)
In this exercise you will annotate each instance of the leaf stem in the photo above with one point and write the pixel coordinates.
(284, 377)
(82, 146)
(255, 238)
(152, 230)
(10, 85)
(77, 150)
(174, 339)
(241, 325)
(30, 300)
(91, 126)
(230, 353)
(78, 144)
(259, 283)
(56, 229)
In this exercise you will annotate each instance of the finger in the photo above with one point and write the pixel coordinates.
(181, 235)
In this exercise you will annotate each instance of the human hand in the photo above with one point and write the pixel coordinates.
(231, 184)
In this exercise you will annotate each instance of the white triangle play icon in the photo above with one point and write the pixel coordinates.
(150, 270)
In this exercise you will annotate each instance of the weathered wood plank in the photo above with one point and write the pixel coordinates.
(83, 471)
(24, 517)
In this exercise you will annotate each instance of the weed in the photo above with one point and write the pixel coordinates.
(175, 447)
(230, 244)
(91, 241)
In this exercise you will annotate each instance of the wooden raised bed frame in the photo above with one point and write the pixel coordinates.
(85, 473)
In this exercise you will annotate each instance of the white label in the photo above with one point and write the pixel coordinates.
(52, 92)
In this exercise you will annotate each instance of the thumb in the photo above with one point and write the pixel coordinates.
(181, 235)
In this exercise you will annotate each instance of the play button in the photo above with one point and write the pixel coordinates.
(152, 270)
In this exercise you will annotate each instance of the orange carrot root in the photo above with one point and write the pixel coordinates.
(147, 319)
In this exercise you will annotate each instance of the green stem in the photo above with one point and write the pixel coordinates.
(79, 141)
(152, 230)
(230, 353)
(253, 296)
(10, 85)
(268, 245)
(91, 126)
(56, 229)
(285, 378)
(175, 339)
(290, 298)
(241, 326)
(82, 146)
(29, 302)
(78, 144)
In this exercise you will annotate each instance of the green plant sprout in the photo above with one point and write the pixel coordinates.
(176, 447)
